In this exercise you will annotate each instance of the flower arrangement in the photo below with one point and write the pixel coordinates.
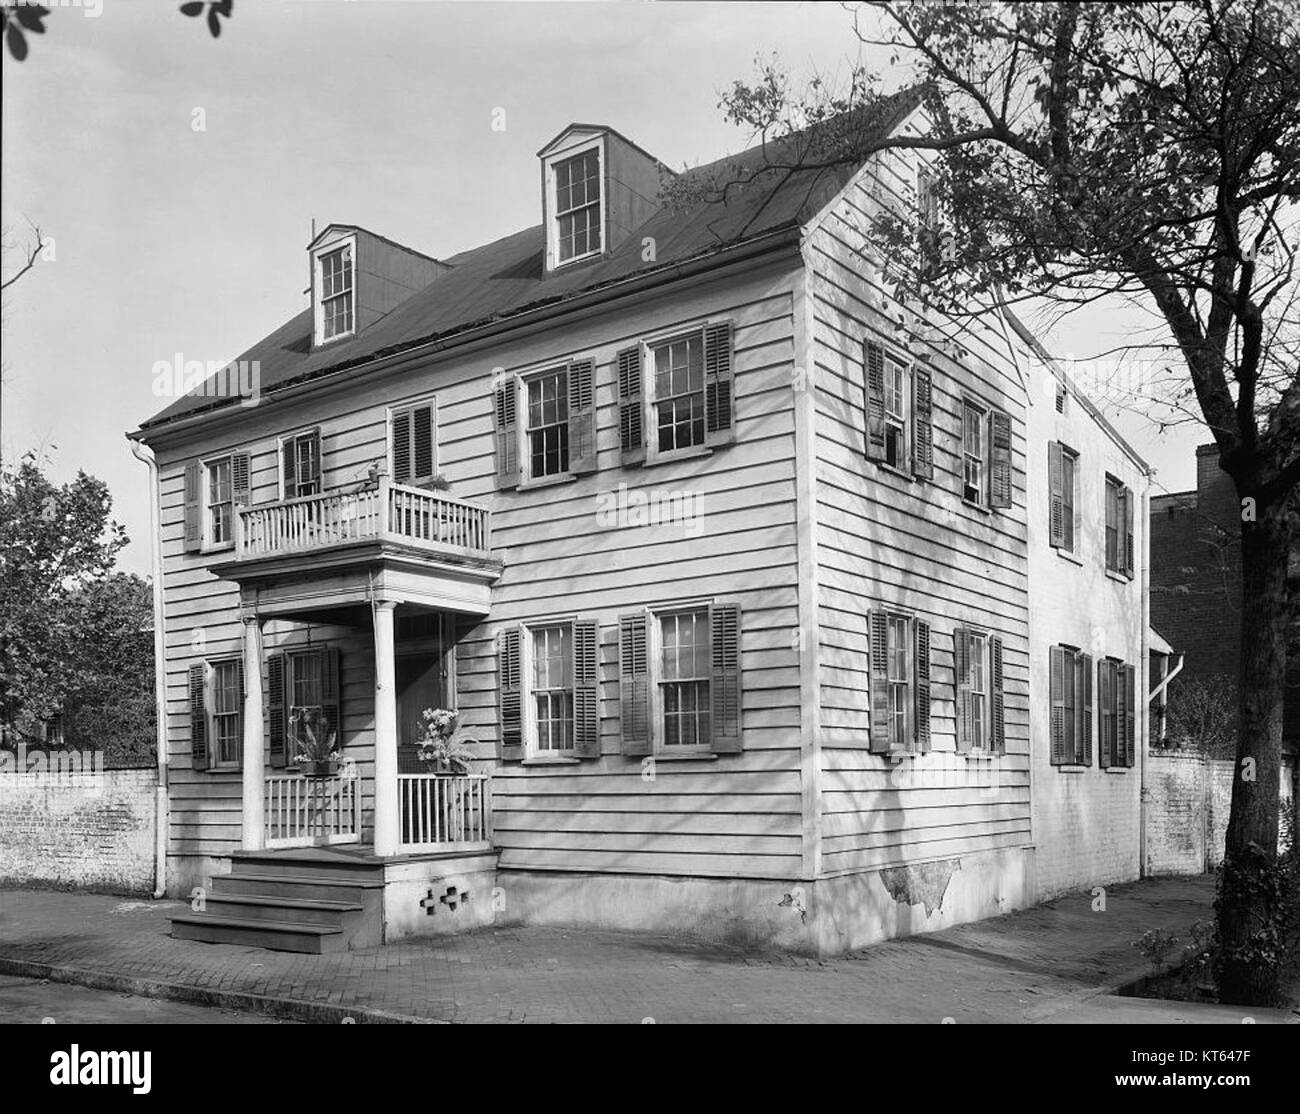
(314, 736)
(438, 747)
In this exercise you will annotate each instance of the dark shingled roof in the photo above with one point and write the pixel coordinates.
(504, 278)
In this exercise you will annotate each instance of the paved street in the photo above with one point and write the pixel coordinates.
(26, 1001)
(1037, 965)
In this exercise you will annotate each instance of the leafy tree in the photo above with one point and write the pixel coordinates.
(1147, 151)
(74, 635)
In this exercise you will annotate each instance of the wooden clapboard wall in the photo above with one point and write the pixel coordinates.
(737, 816)
(911, 545)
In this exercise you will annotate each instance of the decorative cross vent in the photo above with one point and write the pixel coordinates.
(452, 898)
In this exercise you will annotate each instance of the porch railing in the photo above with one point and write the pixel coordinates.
(387, 512)
(444, 812)
(312, 812)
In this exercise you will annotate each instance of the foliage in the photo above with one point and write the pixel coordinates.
(1269, 884)
(438, 745)
(18, 20)
(1203, 715)
(314, 736)
(75, 636)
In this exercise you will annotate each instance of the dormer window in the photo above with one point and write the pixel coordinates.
(577, 206)
(336, 293)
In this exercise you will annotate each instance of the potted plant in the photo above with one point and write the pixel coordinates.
(438, 749)
(317, 755)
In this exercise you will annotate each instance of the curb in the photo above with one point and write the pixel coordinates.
(286, 1009)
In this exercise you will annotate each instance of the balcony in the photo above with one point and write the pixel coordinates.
(344, 549)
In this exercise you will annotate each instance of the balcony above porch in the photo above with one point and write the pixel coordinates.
(341, 549)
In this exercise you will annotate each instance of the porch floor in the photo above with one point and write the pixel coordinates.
(360, 854)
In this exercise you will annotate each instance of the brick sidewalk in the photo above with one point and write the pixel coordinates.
(1022, 967)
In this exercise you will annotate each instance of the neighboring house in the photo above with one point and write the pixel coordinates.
(723, 555)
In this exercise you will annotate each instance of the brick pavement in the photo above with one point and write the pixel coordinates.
(1026, 966)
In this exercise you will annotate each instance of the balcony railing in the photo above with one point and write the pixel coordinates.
(439, 812)
(388, 512)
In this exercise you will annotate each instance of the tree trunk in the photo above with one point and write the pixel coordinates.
(1246, 904)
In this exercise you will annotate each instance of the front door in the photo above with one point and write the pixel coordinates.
(421, 684)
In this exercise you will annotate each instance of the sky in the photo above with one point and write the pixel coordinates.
(178, 175)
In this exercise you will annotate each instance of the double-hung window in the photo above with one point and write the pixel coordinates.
(973, 454)
(899, 666)
(577, 206)
(548, 423)
(220, 503)
(300, 464)
(1116, 697)
(552, 685)
(685, 699)
(895, 414)
(336, 293)
(227, 714)
(1070, 692)
(1119, 528)
(678, 376)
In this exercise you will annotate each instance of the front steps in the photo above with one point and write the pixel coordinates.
(303, 900)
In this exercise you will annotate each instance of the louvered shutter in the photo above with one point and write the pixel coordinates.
(1056, 493)
(1000, 482)
(505, 402)
(199, 758)
(582, 417)
(630, 402)
(873, 391)
(277, 710)
(634, 683)
(193, 496)
(718, 384)
(331, 694)
(288, 468)
(1109, 726)
(1083, 694)
(1128, 531)
(586, 689)
(1127, 714)
(878, 629)
(1056, 669)
(724, 687)
(402, 462)
(510, 694)
(241, 480)
(422, 433)
(965, 703)
(998, 741)
(922, 424)
(922, 685)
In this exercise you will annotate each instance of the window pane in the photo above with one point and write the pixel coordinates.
(552, 657)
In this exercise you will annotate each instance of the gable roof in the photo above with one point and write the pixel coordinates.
(506, 278)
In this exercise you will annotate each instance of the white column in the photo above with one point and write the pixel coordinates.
(386, 818)
(254, 762)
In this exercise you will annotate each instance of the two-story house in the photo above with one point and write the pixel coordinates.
(721, 553)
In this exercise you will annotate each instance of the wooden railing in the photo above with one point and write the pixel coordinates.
(311, 812)
(386, 512)
(443, 812)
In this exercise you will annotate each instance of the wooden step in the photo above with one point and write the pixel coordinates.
(350, 889)
(280, 936)
(271, 907)
(307, 864)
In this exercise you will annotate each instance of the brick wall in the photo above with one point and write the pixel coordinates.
(92, 830)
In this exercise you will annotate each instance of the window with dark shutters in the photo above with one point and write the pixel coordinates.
(1128, 533)
(1126, 714)
(965, 698)
(413, 443)
(198, 716)
(997, 706)
(1083, 692)
(1056, 683)
(631, 401)
(301, 468)
(193, 497)
(878, 691)
(724, 687)
(1056, 493)
(582, 417)
(277, 711)
(922, 629)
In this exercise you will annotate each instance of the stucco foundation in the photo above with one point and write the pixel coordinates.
(417, 901)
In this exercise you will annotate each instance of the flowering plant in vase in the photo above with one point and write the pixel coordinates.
(438, 748)
(317, 755)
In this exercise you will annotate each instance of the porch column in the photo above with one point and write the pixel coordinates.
(254, 761)
(386, 818)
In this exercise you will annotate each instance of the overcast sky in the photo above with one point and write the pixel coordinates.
(169, 239)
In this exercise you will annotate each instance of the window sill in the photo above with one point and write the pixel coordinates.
(694, 756)
(558, 760)
(1068, 555)
(976, 506)
(1118, 577)
(325, 342)
(1072, 768)
(224, 547)
(894, 470)
(1117, 769)
(547, 481)
(676, 454)
(982, 755)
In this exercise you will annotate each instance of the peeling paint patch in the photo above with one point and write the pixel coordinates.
(924, 884)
